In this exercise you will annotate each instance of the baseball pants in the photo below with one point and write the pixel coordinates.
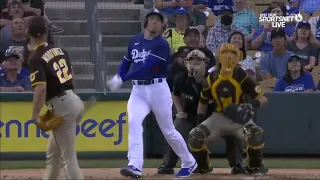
(235, 147)
(220, 125)
(61, 150)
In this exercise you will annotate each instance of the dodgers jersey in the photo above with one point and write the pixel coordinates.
(149, 59)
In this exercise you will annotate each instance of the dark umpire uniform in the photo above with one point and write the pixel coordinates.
(186, 87)
(51, 66)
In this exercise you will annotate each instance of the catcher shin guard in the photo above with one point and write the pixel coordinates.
(199, 150)
(255, 139)
(203, 160)
(198, 135)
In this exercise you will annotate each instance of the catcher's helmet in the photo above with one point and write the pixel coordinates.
(195, 62)
(153, 12)
(229, 56)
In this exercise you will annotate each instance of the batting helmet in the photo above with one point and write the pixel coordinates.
(153, 12)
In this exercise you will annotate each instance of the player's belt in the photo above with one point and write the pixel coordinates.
(148, 82)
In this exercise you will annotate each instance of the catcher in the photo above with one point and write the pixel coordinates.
(227, 86)
(52, 79)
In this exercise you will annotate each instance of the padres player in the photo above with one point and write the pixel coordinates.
(148, 53)
(51, 77)
(227, 86)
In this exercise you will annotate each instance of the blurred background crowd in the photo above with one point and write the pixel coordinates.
(280, 59)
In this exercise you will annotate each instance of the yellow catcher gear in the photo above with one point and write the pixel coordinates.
(229, 56)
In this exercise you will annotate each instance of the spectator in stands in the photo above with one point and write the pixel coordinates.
(197, 18)
(307, 6)
(192, 40)
(220, 33)
(216, 5)
(10, 80)
(295, 79)
(315, 29)
(261, 38)
(247, 63)
(178, 64)
(289, 8)
(17, 39)
(200, 4)
(166, 7)
(274, 63)
(29, 6)
(245, 18)
(302, 46)
(16, 9)
(32, 6)
(175, 35)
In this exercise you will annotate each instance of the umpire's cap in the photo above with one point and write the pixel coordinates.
(37, 26)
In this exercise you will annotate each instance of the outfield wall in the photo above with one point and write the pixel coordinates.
(290, 121)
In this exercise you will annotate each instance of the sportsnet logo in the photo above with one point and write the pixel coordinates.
(279, 21)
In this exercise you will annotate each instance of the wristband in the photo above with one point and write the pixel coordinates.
(201, 118)
(255, 103)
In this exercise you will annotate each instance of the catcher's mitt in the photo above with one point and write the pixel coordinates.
(49, 121)
(239, 113)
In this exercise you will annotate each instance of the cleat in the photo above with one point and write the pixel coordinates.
(198, 171)
(239, 169)
(131, 171)
(258, 171)
(186, 172)
(163, 169)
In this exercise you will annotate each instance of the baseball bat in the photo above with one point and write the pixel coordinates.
(90, 103)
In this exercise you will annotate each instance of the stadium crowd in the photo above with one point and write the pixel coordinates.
(205, 24)
(14, 14)
(281, 59)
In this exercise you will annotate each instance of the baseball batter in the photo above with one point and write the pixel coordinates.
(227, 86)
(149, 53)
(51, 76)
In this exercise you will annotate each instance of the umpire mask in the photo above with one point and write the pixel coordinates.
(229, 56)
(195, 62)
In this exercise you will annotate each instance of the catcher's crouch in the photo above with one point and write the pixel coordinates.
(51, 76)
(227, 86)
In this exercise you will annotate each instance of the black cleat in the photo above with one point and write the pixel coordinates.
(258, 171)
(163, 169)
(239, 169)
(201, 171)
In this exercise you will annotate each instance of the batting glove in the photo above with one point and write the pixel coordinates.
(114, 83)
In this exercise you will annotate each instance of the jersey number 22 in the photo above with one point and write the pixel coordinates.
(61, 67)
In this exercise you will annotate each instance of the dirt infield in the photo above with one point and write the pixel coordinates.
(217, 174)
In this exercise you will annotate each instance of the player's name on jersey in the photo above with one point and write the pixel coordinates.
(51, 53)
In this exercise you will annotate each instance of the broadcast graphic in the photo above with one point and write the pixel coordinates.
(279, 21)
(103, 128)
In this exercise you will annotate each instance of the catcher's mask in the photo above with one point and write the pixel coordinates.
(195, 62)
(229, 56)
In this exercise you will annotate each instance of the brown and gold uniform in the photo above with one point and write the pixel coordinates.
(51, 66)
(225, 91)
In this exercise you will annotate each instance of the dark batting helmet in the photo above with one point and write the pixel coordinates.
(153, 12)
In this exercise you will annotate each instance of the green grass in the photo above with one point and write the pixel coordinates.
(154, 163)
